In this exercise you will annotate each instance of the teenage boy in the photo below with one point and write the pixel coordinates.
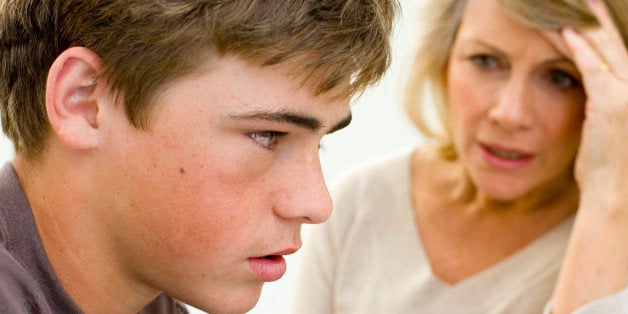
(168, 150)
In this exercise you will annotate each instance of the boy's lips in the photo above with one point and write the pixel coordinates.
(270, 267)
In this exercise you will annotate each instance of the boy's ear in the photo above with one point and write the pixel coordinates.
(71, 104)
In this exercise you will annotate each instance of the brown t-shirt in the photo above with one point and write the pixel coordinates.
(27, 282)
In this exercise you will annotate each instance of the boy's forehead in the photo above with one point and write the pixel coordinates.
(296, 72)
(244, 90)
(302, 70)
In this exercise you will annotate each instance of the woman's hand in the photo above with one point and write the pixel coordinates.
(596, 262)
(602, 58)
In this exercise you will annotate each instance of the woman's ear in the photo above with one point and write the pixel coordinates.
(71, 104)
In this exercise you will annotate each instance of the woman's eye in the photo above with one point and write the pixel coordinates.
(485, 62)
(266, 138)
(563, 80)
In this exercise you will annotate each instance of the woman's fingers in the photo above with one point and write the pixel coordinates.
(607, 39)
(602, 59)
(589, 62)
(596, 51)
(555, 38)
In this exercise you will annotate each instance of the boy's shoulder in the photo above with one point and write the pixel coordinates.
(19, 292)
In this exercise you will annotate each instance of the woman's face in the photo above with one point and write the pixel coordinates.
(516, 103)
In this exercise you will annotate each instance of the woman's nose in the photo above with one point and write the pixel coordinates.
(513, 108)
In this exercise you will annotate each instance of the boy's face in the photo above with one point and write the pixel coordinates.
(205, 203)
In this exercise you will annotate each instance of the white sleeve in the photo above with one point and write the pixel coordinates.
(616, 303)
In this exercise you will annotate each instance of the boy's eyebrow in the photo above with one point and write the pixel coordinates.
(342, 124)
(303, 121)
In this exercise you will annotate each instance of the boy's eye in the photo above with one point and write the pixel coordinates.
(266, 138)
(563, 80)
(485, 61)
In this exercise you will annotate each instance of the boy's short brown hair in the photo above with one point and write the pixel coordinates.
(146, 43)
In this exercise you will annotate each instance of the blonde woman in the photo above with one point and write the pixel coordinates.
(517, 205)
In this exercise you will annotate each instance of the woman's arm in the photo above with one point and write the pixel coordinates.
(596, 262)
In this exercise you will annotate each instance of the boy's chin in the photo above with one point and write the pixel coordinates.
(234, 303)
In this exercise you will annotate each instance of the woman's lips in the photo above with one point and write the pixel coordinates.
(268, 268)
(505, 158)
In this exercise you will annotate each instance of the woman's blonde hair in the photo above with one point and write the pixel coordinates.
(442, 19)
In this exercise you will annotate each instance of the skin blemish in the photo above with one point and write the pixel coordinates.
(181, 170)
